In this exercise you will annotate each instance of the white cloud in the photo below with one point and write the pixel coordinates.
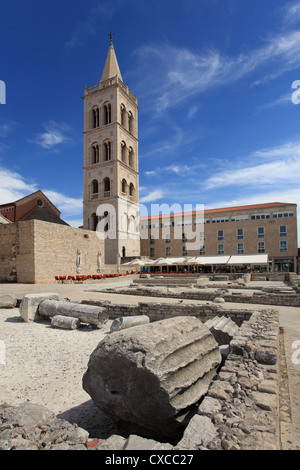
(291, 13)
(13, 186)
(54, 135)
(152, 196)
(278, 165)
(69, 206)
(177, 75)
(284, 171)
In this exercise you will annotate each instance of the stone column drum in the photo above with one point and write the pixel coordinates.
(149, 377)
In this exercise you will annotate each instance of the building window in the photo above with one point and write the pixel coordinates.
(123, 151)
(151, 240)
(95, 187)
(221, 249)
(107, 147)
(261, 247)
(130, 122)
(124, 185)
(184, 250)
(107, 113)
(94, 222)
(131, 190)
(260, 232)
(202, 251)
(240, 248)
(184, 238)
(283, 246)
(95, 154)
(240, 233)
(283, 231)
(95, 118)
(220, 235)
(106, 185)
(152, 252)
(130, 157)
(168, 251)
(260, 216)
(168, 238)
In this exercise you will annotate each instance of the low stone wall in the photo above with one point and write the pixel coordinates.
(241, 408)
(160, 311)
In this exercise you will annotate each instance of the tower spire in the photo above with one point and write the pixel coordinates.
(111, 67)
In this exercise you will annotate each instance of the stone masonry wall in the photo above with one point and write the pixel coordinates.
(8, 248)
(160, 311)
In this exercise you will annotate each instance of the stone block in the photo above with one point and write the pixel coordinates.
(223, 329)
(8, 301)
(199, 432)
(30, 304)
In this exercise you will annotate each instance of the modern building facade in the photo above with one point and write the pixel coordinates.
(245, 230)
(110, 171)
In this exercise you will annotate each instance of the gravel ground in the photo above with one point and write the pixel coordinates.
(45, 365)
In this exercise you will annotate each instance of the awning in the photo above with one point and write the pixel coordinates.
(135, 262)
(258, 259)
(209, 260)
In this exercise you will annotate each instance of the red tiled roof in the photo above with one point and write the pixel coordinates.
(224, 209)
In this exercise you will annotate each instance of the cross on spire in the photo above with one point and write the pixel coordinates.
(111, 37)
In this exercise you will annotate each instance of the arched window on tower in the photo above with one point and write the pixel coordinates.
(130, 157)
(107, 113)
(124, 186)
(131, 190)
(123, 151)
(106, 186)
(94, 222)
(95, 117)
(94, 189)
(107, 151)
(106, 226)
(95, 153)
(123, 114)
(130, 122)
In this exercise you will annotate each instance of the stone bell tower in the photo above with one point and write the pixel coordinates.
(110, 170)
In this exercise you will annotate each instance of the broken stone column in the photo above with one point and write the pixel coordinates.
(150, 377)
(128, 322)
(222, 328)
(91, 314)
(66, 323)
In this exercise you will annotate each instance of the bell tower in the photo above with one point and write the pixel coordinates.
(110, 169)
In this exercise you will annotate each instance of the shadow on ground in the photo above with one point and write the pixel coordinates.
(90, 418)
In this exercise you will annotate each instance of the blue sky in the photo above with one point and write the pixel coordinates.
(213, 78)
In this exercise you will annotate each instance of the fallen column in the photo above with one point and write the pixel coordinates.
(67, 323)
(85, 313)
(128, 322)
(149, 378)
